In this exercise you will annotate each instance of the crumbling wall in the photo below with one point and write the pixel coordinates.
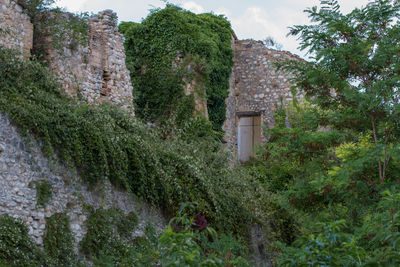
(255, 85)
(96, 71)
(16, 30)
(22, 164)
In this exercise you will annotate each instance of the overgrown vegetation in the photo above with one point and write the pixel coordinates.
(184, 243)
(336, 169)
(105, 142)
(173, 46)
(43, 192)
(326, 188)
(108, 231)
(52, 23)
(58, 240)
(16, 247)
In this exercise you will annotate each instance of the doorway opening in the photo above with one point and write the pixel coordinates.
(249, 134)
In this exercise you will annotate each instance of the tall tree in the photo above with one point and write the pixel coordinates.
(354, 69)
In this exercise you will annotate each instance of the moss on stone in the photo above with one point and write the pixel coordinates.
(58, 240)
(43, 193)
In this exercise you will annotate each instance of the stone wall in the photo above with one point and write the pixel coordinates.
(16, 30)
(255, 85)
(22, 164)
(96, 71)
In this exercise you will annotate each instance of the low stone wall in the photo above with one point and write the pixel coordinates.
(95, 72)
(22, 164)
(16, 30)
(256, 85)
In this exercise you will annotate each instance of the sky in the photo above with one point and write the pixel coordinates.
(250, 19)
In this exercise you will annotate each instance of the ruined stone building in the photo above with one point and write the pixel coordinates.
(94, 71)
(256, 89)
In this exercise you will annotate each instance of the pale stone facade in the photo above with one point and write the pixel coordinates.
(95, 72)
(16, 30)
(256, 89)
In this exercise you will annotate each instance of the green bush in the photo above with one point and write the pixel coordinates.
(106, 237)
(181, 244)
(171, 46)
(58, 240)
(106, 142)
(16, 247)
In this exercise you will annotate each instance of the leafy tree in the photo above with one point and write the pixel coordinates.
(355, 69)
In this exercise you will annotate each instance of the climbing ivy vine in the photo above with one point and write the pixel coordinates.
(171, 46)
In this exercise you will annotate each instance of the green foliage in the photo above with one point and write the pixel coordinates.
(380, 233)
(107, 235)
(182, 247)
(330, 247)
(105, 142)
(323, 168)
(127, 224)
(16, 247)
(57, 25)
(43, 193)
(354, 70)
(172, 46)
(58, 240)
(35, 8)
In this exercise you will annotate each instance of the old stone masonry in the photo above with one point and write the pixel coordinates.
(16, 30)
(96, 70)
(23, 166)
(256, 89)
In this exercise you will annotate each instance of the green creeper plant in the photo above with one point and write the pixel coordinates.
(172, 46)
(43, 192)
(58, 240)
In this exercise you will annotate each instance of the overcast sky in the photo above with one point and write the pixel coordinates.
(250, 19)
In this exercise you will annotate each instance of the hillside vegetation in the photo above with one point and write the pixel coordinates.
(106, 142)
(325, 188)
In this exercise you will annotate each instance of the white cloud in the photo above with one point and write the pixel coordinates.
(193, 6)
(71, 5)
(267, 18)
(257, 23)
(223, 11)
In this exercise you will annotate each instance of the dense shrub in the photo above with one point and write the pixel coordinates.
(105, 142)
(184, 243)
(106, 237)
(171, 46)
(58, 240)
(16, 247)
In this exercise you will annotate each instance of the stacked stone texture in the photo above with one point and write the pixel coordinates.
(16, 30)
(22, 164)
(95, 72)
(256, 85)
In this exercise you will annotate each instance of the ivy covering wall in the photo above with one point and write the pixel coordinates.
(161, 48)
